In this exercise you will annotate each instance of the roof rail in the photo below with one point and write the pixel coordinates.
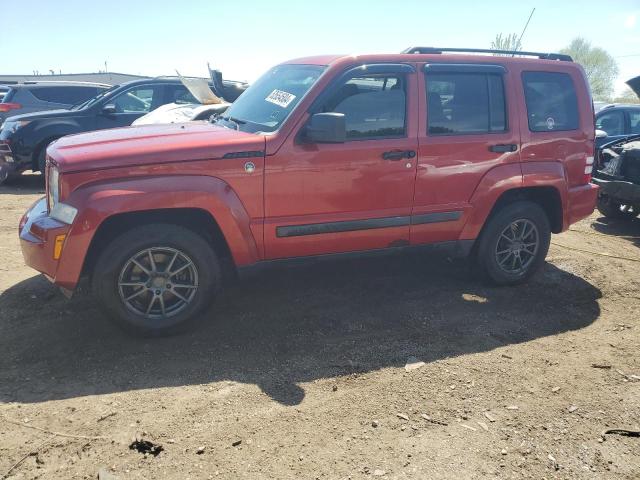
(61, 82)
(544, 56)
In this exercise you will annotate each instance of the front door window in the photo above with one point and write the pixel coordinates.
(136, 100)
(374, 106)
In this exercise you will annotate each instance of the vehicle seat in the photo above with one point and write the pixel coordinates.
(374, 111)
(435, 112)
(611, 125)
(347, 90)
(468, 111)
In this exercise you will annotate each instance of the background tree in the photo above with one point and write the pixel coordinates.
(627, 96)
(600, 67)
(509, 42)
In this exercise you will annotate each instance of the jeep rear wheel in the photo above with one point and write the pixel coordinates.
(514, 243)
(156, 279)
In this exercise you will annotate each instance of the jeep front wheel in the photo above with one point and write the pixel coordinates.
(156, 279)
(514, 243)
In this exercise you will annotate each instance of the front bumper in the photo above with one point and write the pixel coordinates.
(620, 190)
(581, 203)
(37, 240)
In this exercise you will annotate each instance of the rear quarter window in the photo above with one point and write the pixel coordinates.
(552, 103)
(8, 96)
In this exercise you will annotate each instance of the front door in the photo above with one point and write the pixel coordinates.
(613, 122)
(357, 195)
(130, 105)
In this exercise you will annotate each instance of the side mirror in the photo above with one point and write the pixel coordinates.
(601, 134)
(109, 109)
(326, 128)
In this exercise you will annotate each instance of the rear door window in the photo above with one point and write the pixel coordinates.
(465, 103)
(8, 96)
(552, 103)
(179, 94)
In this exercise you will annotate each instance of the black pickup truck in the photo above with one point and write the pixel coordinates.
(617, 172)
(618, 175)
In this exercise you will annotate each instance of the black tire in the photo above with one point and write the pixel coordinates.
(612, 209)
(523, 215)
(42, 159)
(42, 155)
(115, 267)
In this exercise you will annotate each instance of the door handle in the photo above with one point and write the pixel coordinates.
(395, 155)
(503, 147)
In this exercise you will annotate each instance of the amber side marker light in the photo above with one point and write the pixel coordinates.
(57, 247)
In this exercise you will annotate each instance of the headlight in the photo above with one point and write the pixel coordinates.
(13, 126)
(53, 187)
(64, 213)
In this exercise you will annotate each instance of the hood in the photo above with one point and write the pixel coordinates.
(634, 84)
(41, 115)
(150, 144)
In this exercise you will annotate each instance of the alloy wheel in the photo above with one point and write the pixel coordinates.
(158, 282)
(517, 246)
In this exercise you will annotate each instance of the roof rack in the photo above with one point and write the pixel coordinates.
(61, 82)
(545, 56)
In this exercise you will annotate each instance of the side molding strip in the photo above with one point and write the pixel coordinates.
(336, 227)
(367, 224)
(436, 217)
(251, 154)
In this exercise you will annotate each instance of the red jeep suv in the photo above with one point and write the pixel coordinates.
(480, 155)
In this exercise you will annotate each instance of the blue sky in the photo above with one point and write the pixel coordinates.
(244, 38)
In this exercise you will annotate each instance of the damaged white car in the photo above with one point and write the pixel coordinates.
(205, 99)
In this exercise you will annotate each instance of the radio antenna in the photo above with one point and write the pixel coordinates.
(519, 43)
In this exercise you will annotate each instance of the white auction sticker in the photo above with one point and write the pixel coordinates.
(280, 98)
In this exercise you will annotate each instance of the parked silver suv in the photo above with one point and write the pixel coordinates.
(38, 96)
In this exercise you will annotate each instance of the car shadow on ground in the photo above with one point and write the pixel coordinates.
(627, 228)
(284, 327)
(26, 184)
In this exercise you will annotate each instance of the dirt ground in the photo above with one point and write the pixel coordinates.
(300, 373)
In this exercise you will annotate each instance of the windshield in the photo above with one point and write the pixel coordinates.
(265, 105)
(93, 100)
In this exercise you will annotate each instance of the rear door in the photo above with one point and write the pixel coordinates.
(469, 128)
(178, 93)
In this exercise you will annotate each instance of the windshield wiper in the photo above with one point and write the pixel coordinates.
(236, 121)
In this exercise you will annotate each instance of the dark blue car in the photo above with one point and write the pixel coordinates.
(24, 138)
(619, 120)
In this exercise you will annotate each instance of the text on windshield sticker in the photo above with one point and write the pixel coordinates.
(280, 98)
